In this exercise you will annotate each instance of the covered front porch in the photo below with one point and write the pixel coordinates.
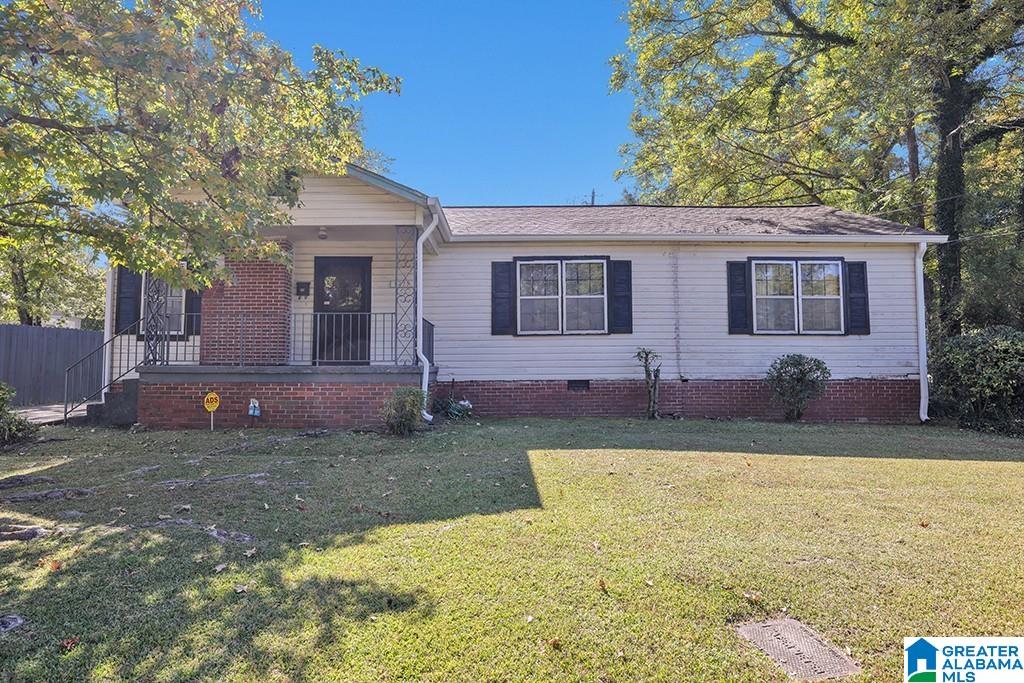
(343, 308)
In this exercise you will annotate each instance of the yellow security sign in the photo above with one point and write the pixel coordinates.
(211, 401)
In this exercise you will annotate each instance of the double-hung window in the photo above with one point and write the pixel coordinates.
(562, 296)
(798, 296)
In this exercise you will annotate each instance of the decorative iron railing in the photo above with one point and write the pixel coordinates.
(247, 340)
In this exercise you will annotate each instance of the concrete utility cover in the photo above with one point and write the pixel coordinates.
(801, 652)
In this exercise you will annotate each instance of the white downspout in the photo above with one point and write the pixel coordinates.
(108, 325)
(435, 212)
(922, 342)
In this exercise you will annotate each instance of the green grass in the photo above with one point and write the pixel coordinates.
(515, 550)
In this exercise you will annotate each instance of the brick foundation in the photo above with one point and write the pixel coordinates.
(248, 320)
(286, 405)
(849, 400)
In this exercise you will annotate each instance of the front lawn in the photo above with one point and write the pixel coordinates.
(508, 550)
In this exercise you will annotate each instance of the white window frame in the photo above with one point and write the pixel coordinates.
(184, 313)
(798, 296)
(795, 296)
(603, 296)
(520, 296)
(801, 296)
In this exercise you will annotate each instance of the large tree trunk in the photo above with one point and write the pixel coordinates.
(953, 104)
(914, 168)
(20, 285)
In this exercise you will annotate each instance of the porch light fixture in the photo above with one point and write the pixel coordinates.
(322, 233)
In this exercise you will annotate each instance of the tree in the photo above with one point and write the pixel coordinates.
(160, 131)
(853, 103)
(41, 280)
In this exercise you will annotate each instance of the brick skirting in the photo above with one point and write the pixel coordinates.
(286, 405)
(847, 400)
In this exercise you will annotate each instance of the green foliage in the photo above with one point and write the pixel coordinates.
(795, 380)
(894, 108)
(401, 413)
(13, 427)
(979, 378)
(161, 131)
(40, 279)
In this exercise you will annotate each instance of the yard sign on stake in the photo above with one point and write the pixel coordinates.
(211, 402)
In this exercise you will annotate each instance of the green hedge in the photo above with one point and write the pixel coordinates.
(978, 378)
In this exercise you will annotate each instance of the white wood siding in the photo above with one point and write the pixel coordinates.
(679, 310)
(347, 201)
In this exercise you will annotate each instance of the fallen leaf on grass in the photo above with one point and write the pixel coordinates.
(603, 586)
(164, 517)
(529, 618)
(250, 552)
(596, 546)
(555, 644)
(753, 596)
(70, 643)
(241, 588)
(183, 508)
(924, 523)
(649, 583)
(220, 567)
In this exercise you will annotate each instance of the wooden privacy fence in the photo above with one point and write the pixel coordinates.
(33, 360)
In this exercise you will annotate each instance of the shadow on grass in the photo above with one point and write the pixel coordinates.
(147, 601)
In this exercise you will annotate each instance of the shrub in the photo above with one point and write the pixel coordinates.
(13, 427)
(401, 413)
(795, 380)
(979, 379)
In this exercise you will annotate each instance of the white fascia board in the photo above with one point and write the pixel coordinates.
(849, 239)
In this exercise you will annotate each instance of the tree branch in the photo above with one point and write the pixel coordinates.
(808, 32)
(994, 132)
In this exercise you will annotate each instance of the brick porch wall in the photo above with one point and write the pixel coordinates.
(849, 400)
(248, 319)
(286, 405)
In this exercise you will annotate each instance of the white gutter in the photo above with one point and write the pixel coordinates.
(108, 325)
(922, 342)
(435, 212)
(665, 237)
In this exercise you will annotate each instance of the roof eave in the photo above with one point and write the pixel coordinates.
(882, 239)
(386, 184)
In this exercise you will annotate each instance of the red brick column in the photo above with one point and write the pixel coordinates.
(247, 321)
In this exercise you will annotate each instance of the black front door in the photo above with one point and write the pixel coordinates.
(341, 287)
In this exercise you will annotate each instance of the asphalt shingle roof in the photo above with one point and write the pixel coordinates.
(639, 221)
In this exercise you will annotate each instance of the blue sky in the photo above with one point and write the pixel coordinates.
(501, 103)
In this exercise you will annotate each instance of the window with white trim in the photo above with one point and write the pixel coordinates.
(562, 296)
(797, 296)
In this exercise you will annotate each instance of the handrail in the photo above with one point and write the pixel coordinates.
(70, 404)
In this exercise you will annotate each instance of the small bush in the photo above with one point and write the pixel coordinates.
(795, 380)
(979, 379)
(401, 413)
(13, 427)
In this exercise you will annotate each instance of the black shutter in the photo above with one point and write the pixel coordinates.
(858, 320)
(503, 299)
(740, 309)
(128, 306)
(620, 300)
(193, 306)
